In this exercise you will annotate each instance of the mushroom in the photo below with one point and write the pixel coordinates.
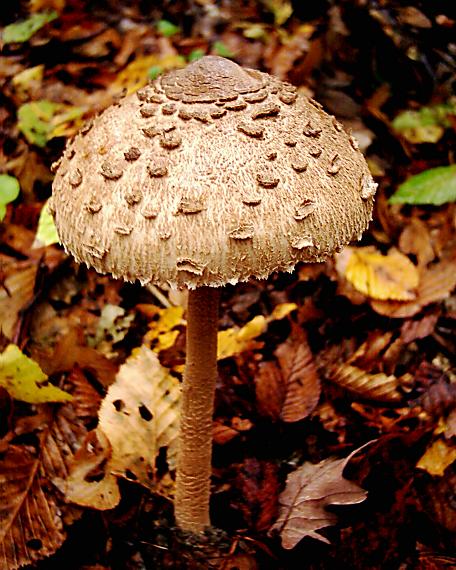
(209, 175)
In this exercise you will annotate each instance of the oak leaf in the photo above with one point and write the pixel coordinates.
(309, 490)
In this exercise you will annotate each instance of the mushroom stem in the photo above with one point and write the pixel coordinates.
(198, 390)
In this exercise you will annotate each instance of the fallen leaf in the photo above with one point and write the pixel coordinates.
(236, 340)
(24, 380)
(392, 276)
(437, 457)
(167, 28)
(89, 483)
(9, 191)
(292, 391)
(16, 293)
(140, 416)
(46, 234)
(22, 31)
(379, 387)
(162, 332)
(421, 328)
(257, 483)
(112, 327)
(425, 125)
(40, 121)
(31, 514)
(416, 239)
(435, 186)
(436, 283)
(309, 490)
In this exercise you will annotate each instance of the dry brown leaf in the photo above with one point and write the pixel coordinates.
(140, 416)
(309, 490)
(291, 390)
(15, 294)
(436, 284)
(257, 483)
(90, 484)
(379, 387)
(30, 518)
(416, 239)
(421, 328)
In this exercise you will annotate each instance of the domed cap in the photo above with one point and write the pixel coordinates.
(209, 175)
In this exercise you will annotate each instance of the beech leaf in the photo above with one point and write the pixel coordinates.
(140, 415)
(31, 516)
(309, 490)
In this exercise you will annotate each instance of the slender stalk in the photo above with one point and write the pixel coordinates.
(195, 441)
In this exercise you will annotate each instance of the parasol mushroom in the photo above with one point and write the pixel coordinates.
(209, 175)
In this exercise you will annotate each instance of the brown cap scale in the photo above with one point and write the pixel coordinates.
(209, 175)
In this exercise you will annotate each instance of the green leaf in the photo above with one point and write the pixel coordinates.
(435, 186)
(46, 233)
(34, 121)
(196, 54)
(43, 120)
(154, 71)
(426, 125)
(9, 191)
(23, 31)
(221, 49)
(167, 28)
(24, 380)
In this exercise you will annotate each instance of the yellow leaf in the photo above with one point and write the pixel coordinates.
(282, 310)
(135, 75)
(383, 277)
(437, 457)
(24, 380)
(236, 340)
(140, 416)
(161, 334)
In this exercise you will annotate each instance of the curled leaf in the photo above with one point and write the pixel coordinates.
(379, 387)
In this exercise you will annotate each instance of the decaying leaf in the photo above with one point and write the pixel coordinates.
(140, 417)
(379, 387)
(437, 457)
(31, 525)
(416, 239)
(15, 293)
(24, 380)
(309, 490)
(89, 483)
(111, 328)
(291, 390)
(378, 276)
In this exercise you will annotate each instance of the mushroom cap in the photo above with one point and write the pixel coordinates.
(209, 175)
